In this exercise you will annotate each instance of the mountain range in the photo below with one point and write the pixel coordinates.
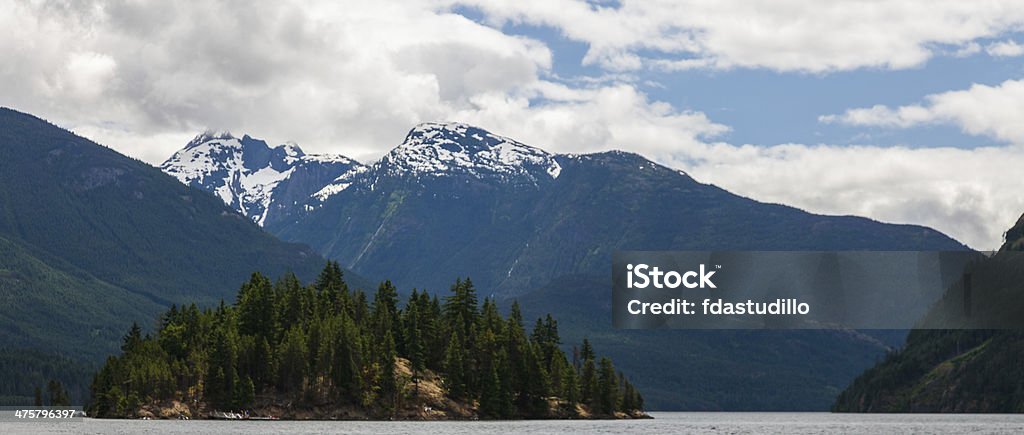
(454, 200)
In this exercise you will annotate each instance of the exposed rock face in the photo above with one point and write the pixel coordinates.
(425, 400)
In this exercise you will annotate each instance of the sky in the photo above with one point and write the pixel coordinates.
(904, 112)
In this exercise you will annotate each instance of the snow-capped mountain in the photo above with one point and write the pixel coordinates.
(250, 176)
(439, 149)
(267, 183)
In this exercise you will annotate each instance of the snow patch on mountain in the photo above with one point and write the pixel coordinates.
(244, 172)
(440, 149)
(339, 184)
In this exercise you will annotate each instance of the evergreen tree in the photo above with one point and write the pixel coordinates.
(332, 292)
(608, 391)
(570, 385)
(246, 393)
(534, 398)
(256, 307)
(435, 332)
(461, 306)
(414, 346)
(221, 378)
(491, 404)
(588, 384)
(516, 347)
(385, 311)
(292, 364)
(454, 369)
(628, 401)
(132, 339)
(507, 408)
(263, 368)
(58, 395)
(587, 351)
(388, 383)
(360, 308)
(345, 369)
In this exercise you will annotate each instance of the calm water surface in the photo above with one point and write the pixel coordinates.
(663, 423)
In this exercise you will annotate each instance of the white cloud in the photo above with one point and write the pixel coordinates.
(87, 75)
(1007, 48)
(582, 121)
(968, 49)
(783, 35)
(994, 111)
(329, 76)
(972, 195)
(332, 77)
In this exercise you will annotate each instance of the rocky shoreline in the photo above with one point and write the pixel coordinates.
(426, 401)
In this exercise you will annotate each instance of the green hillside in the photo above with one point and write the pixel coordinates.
(91, 240)
(968, 370)
(125, 222)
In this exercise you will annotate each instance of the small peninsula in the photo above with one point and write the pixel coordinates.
(320, 351)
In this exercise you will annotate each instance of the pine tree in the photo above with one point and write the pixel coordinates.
(221, 376)
(58, 395)
(414, 347)
(516, 347)
(115, 403)
(435, 336)
(292, 365)
(608, 391)
(490, 396)
(132, 339)
(345, 368)
(628, 402)
(461, 306)
(263, 370)
(255, 306)
(330, 289)
(455, 369)
(570, 385)
(321, 371)
(360, 308)
(388, 383)
(246, 393)
(385, 317)
(537, 383)
(587, 352)
(507, 405)
(588, 384)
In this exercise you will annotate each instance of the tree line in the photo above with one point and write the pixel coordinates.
(322, 343)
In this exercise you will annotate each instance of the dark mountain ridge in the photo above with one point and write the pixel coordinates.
(516, 226)
(91, 240)
(964, 370)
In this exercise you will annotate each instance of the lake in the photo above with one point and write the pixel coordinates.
(664, 422)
